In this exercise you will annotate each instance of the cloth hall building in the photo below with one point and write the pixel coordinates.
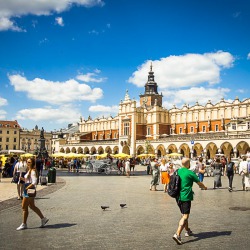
(196, 130)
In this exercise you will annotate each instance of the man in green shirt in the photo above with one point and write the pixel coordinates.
(187, 177)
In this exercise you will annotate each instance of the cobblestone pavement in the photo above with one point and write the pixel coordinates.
(219, 219)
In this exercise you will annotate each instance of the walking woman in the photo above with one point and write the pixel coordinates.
(229, 170)
(155, 174)
(201, 169)
(217, 173)
(30, 180)
(19, 171)
(165, 178)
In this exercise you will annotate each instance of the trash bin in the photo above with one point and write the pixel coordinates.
(52, 175)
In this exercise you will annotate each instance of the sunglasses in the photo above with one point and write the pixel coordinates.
(28, 161)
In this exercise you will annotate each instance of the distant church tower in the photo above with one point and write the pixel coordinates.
(151, 96)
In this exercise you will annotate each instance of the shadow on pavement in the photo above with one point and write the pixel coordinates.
(206, 235)
(60, 225)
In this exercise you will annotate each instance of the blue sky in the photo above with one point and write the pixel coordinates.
(60, 60)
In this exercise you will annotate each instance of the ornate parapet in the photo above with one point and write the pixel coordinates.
(201, 137)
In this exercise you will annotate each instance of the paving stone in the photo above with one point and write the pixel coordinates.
(148, 222)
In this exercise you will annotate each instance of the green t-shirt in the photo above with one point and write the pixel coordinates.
(188, 177)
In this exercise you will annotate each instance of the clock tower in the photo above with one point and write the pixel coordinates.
(151, 96)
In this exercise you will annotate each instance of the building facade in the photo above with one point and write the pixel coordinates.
(195, 130)
(29, 140)
(9, 135)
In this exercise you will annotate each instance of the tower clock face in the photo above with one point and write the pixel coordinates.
(145, 99)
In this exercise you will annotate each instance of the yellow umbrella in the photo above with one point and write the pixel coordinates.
(27, 155)
(105, 155)
(122, 155)
(174, 155)
(146, 155)
(57, 155)
(73, 155)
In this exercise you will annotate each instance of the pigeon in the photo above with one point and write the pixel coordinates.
(122, 205)
(104, 207)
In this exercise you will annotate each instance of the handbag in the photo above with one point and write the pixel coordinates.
(15, 178)
(31, 192)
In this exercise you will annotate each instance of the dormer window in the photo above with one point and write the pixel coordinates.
(233, 126)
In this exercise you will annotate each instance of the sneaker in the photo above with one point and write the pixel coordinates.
(22, 227)
(177, 239)
(44, 221)
(188, 233)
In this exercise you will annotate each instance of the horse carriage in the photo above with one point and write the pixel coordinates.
(101, 166)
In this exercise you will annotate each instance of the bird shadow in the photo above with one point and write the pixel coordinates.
(60, 225)
(206, 235)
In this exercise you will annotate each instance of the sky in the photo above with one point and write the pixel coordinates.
(62, 60)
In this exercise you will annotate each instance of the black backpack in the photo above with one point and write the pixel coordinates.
(230, 167)
(174, 185)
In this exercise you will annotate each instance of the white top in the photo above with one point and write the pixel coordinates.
(127, 165)
(32, 179)
(164, 167)
(21, 166)
(243, 167)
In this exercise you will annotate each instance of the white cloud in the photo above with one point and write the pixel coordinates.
(2, 114)
(12, 8)
(192, 95)
(185, 70)
(104, 109)
(236, 14)
(3, 102)
(91, 77)
(240, 91)
(95, 32)
(248, 56)
(59, 21)
(57, 115)
(7, 24)
(55, 92)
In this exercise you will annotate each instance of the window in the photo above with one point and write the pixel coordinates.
(126, 128)
(15, 132)
(248, 125)
(14, 139)
(216, 127)
(7, 147)
(234, 126)
(7, 139)
(171, 131)
(95, 137)
(0, 139)
(1, 131)
(191, 129)
(180, 130)
(7, 132)
(148, 131)
(203, 128)
(14, 147)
